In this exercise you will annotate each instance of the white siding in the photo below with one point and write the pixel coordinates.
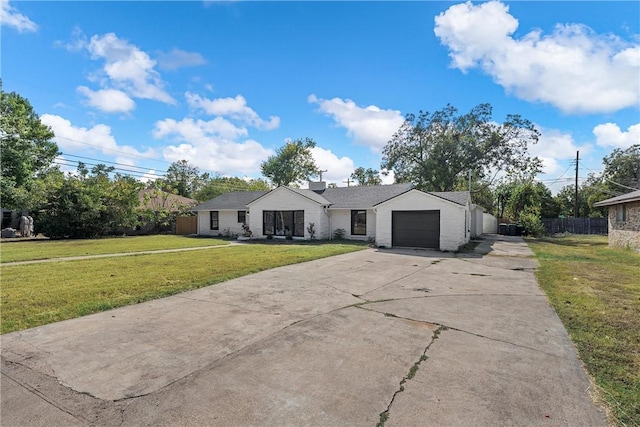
(476, 221)
(489, 224)
(341, 218)
(283, 199)
(454, 219)
(228, 223)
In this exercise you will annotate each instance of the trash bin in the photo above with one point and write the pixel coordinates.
(503, 229)
(519, 230)
(513, 229)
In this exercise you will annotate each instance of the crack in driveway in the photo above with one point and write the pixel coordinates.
(384, 415)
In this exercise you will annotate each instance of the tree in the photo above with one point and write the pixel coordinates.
(367, 176)
(90, 204)
(435, 150)
(219, 185)
(291, 164)
(622, 169)
(26, 149)
(183, 179)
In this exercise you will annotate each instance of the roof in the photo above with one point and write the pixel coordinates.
(457, 197)
(363, 197)
(634, 196)
(233, 200)
(360, 197)
(153, 199)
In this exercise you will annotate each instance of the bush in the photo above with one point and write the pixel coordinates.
(531, 224)
(339, 233)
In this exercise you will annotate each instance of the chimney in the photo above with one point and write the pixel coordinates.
(317, 186)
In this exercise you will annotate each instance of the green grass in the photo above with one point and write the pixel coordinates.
(44, 249)
(37, 294)
(596, 292)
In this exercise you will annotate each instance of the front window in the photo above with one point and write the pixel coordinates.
(621, 213)
(242, 217)
(214, 221)
(359, 223)
(283, 223)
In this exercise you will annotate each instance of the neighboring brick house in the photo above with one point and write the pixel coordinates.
(624, 220)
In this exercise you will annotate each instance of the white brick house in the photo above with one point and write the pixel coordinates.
(390, 215)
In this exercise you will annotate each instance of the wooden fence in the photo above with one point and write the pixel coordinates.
(575, 225)
(187, 225)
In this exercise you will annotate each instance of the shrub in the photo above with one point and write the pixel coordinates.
(531, 224)
(339, 233)
(311, 229)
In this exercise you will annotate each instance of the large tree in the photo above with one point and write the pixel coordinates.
(222, 184)
(88, 204)
(435, 150)
(26, 149)
(368, 176)
(183, 179)
(291, 164)
(622, 169)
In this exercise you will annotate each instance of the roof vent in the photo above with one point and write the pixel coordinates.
(317, 186)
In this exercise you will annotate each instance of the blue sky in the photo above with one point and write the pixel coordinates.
(224, 84)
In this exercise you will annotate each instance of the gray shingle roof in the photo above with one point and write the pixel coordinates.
(236, 200)
(363, 197)
(634, 196)
(458, 197)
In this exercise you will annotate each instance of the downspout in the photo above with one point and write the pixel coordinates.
(326, 212)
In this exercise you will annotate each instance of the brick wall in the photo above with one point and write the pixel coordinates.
(624, 234)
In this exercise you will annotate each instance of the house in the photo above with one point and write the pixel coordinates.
(624, 220)
(396, 215)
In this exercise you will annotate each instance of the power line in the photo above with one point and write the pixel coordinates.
(115, 151)
(613, 182)
(122, 171)
(106, 161)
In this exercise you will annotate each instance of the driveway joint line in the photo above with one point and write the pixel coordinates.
(361, 306)
(42, 396)
(398, 279)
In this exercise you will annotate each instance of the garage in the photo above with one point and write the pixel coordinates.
(416, 229)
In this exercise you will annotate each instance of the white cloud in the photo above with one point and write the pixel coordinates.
(98, 137)
(10, 17)
(389, 178)
(108, 100)
(211, 145)
(610, 135)
(573, 68)
(338, 169)
(554, 146)
(235, 108)
(126, 67)
(178, 58)
(368, 126)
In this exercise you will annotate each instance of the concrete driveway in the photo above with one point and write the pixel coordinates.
(397, 337)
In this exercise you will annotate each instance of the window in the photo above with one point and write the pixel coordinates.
(621, 213)
(283, 223)
(214, 221)
(242, 217)
(359, 223)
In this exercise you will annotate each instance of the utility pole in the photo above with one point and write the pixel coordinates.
(320, 173)
(469, 180)
(575, 200)
(348, 181)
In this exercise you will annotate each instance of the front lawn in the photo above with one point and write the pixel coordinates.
(43, 249)
(596, 292)
(37, 294)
